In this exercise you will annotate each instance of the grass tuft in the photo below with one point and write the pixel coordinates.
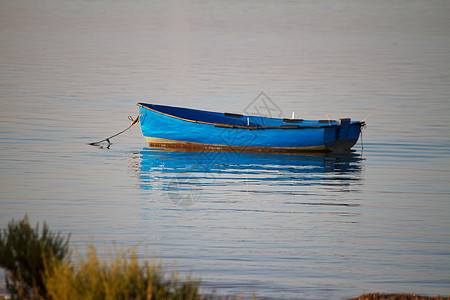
(119, 276)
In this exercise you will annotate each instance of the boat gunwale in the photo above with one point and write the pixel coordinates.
(249, 127)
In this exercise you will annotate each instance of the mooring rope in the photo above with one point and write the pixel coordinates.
(133, 122)
(363, 126)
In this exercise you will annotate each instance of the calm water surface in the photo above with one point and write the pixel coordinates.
(281, 226)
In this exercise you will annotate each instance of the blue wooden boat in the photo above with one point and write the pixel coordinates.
(169, 126)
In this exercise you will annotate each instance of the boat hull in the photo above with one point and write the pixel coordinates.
(165, 143)
(164, 126)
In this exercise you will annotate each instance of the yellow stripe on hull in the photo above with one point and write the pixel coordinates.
(159, 142)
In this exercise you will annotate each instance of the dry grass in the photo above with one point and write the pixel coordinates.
(377, 296)
(120, 276)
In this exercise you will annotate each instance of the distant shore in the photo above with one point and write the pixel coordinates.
(378, 296)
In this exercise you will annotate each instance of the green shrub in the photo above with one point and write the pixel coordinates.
(119, 276)
(23, 253)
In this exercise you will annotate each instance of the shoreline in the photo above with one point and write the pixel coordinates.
(368, 296)
(399, 296)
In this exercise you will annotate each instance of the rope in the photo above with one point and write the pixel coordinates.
(363, 126)
(133, 122)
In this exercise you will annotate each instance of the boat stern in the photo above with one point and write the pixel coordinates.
(344, 136)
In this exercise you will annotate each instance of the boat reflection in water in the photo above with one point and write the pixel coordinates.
(187, 177)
